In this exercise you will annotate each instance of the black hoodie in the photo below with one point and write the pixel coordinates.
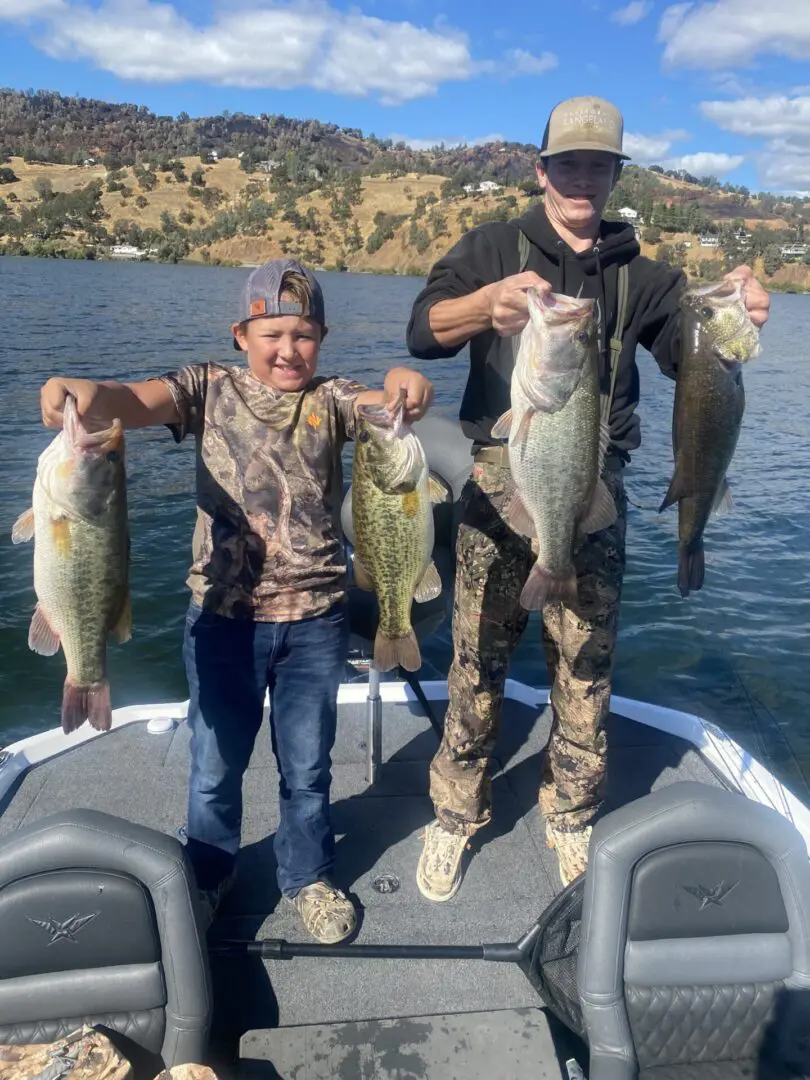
(489, 253)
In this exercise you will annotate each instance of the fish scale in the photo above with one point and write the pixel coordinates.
(393, 523)
(556, 442)
(78, 522)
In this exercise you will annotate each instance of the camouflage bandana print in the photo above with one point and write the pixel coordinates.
(267, 544)
(492, 564)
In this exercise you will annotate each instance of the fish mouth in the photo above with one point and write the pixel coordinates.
(386, 419)
(81, 441)
(559, 308)
(729, 290)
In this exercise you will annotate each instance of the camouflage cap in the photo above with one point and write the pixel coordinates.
(261, 293)
(584, 123)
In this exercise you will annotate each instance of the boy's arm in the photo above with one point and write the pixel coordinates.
(136, 405)
(418, 392)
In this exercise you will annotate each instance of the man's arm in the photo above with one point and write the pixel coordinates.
(502, 307)
(136, 405)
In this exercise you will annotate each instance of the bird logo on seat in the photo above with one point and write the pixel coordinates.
(710, 897)
(64, 931)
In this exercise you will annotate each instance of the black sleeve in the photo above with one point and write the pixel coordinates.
(659, 329)
(474, 262)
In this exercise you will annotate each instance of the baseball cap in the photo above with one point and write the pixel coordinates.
(584, 123)
(261, 293)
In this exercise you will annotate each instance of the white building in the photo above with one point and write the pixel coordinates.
(628, 213)
(709, 241)
(484, 187)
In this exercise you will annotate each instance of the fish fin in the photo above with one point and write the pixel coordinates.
(23, 529)
(519, 518)
(396, 652)
(91, 703)
(691, 570)
(502, 426)
(430, 586)
(42, 638)
(123, 625)
(362, 578)
(438, 491)
(723, 501)
(601, 512)
(676, 491)
(541, 588)
(523, 427)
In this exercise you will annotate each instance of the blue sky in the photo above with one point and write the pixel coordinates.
(717, 87)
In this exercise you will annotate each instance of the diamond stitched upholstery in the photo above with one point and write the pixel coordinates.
(145, 1028)
(677, 1024)
(708, 1070)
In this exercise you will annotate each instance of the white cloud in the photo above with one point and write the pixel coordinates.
(705, 163)
(27, 9)
(447, 141)
(634, 12)
(725, 33)
(789, 173)
(311, 44)
(775, 117)
(650, 149)
(520, 62)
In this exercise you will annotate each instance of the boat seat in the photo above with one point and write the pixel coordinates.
(694, 961)
(98, 925)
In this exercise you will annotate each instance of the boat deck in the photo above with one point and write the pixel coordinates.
(511, 879)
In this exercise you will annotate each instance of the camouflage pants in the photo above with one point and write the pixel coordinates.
(492, 564)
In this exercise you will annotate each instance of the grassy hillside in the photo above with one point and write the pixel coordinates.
(221, 214)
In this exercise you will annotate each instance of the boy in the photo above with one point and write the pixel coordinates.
(268, 605)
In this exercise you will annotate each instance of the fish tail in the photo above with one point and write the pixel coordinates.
(542, 587)
(390, 652)
(91, 703)
(691, 569)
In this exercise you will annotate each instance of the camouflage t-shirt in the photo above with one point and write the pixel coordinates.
(267, 544)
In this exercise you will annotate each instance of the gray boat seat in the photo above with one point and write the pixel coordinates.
(694, 960)
(449, 456)
(98, 924)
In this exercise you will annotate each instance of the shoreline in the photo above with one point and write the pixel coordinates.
(787, 289)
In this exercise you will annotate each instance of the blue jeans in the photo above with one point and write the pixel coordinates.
(229, 665)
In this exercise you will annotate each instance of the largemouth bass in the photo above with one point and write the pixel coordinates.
(392, 495)
(81, 556)
(717, 338)
(556, 442)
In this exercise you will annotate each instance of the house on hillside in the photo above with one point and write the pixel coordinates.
(628, 214)
(793, 251)
(486, 187)
(709, 241)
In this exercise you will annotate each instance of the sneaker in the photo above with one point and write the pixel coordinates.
(572, 850)
(210, 899)
(326, 912)
(438, 873)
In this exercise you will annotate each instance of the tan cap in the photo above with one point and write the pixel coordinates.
(584, 123)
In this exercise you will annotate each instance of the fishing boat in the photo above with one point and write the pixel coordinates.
(684, 952)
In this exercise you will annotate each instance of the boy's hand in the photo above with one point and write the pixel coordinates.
(418, 392)
(52, 402)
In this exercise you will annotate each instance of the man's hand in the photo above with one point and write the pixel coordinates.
(755, 297)
(508, 304)
(418, 392)
(52, 402)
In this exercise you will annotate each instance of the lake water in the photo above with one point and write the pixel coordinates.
(735, 653)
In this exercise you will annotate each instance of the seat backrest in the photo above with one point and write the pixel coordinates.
(695, 938)
(98, 924)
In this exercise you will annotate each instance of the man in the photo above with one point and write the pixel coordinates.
(477, 293)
